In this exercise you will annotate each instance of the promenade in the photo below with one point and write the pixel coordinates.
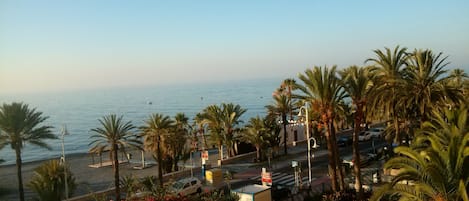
(96, 179)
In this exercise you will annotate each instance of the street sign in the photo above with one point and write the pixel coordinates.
(266, 178)
(294, 163)
(204, 155)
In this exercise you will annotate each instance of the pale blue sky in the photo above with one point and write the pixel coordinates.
(57, 45)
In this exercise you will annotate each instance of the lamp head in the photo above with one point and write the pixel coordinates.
(300, 113)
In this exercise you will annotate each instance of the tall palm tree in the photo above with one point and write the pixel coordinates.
(321, 88)
(357, 82)
(426, 84)
(199, 122)
(280, 107)
(21, 125)
(273, 132)
(457, 77)
(231, 118)
(212, 117)
(113, 135)
(49, 181)
(255, 133)
(390, 65)
(175, 141)
(156, 126)
(435, 166)
(290, 85)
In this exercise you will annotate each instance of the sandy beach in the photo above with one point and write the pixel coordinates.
(88, 179)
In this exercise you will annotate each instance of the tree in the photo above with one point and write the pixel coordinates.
(156, 126)
(199, 122)
(280, 107)
(175, 141)
(231, 117)
(289, 85)
(434, 167)
(357, 82)
(457, 77)
(321, 88)
(212, 117)
(21, 125)
(389, 78)
(426, 84)
(273, 130)
(255, 133)
(113, 135)
(49, 181)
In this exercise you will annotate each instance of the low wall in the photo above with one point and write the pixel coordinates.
(110, 191)
(238, 157)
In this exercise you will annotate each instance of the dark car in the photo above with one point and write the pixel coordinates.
(280, 192)
(344, 141)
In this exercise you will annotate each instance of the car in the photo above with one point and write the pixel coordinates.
(186, 186)
(364, 136)
(376, 132)
(343, 141)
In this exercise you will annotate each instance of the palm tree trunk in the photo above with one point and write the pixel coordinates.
(331, 157)
(258, 153)
(338, 168)
(160, 161)
(356, 155)
(220, 150)
(397, 138)
(18, 170)
(116, 171)
(284, 121)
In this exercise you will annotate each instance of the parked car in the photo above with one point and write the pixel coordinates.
(186, 186)
(364, 136)
(344, 141)
(376, 132)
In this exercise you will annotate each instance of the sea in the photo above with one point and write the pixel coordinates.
(79, 110)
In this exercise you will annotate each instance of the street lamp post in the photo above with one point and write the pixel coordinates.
(64, 132)
(308, 139)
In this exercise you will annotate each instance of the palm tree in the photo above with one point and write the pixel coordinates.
(255, 133)
(323, 90)
(175, 141)
(49, 181)
(280, 107)
(273, 130)
(113, 135)
(212, 117)
(357, 82)
(389, 77)
(426, 84)
(199, 122)
(21, 125)
(457, 77)
(434, 167)
(231, 115)
(289, 85)
(156, 126)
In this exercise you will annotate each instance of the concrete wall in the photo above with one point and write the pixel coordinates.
(110, 192)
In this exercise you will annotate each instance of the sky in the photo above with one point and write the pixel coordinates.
(86, 44)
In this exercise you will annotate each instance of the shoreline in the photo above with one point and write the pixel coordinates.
(72, 155)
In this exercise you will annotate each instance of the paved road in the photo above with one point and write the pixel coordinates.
(283, 172)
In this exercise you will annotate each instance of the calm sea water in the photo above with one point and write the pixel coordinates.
(80, 110)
